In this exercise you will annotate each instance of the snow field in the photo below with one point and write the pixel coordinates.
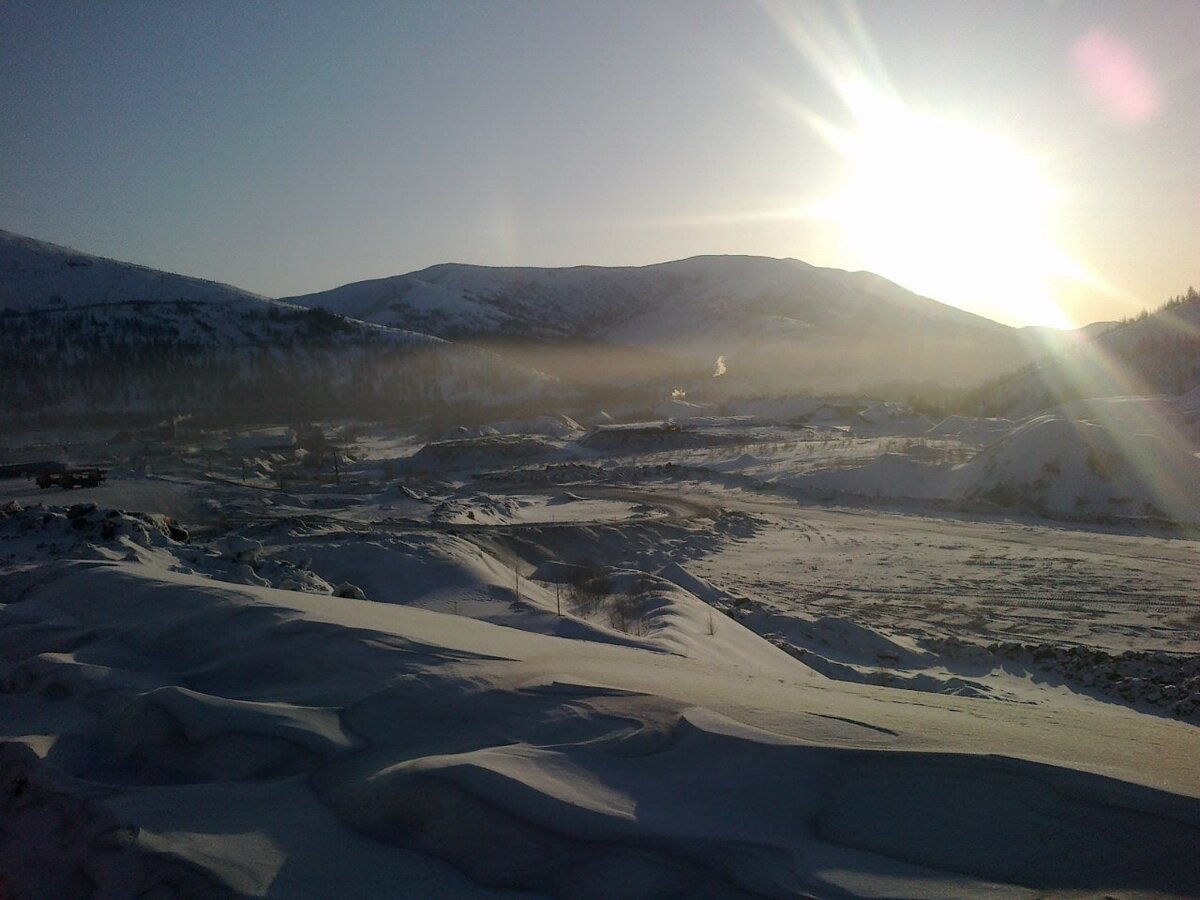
(503, 754)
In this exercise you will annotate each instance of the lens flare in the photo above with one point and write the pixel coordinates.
(1117, 78)
(942, 205)
(1143, 430)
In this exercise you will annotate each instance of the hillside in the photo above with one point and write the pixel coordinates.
(39, 276)
(779, 323)
(1157, 354)
(84, 335)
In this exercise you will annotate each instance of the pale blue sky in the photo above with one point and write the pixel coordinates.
(293, 146)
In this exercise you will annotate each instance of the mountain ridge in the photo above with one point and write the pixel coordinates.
(782, 324)
(25, 258)
(777, 325)
(436, 274)
(85, 336)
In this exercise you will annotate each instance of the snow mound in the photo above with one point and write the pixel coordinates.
(84, 530)
(1104, 467)
(172, 734)
(676, 620)
(844, 640)
(888, 475)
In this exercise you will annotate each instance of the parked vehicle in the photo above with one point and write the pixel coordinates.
(30, 469)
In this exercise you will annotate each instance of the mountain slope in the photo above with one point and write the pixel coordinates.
(82, 335)
(776, 321)
(1158, 354)
(39, 276)
(608, 301)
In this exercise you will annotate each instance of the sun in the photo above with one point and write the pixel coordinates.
(946, 204)
(950, 211)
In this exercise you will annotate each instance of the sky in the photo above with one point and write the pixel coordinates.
(1035, 162)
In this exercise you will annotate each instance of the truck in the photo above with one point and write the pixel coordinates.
(29, 469)
(89, 476)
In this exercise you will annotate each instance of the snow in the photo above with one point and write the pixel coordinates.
(1069, 464)
(39, 275)
(1103, 459)
(774, 321)
(788, 646)
(246, 730)
(890, 474)
(558, 427)
(971, 428)
(224, 710)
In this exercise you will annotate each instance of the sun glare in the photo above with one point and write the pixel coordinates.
(949, 211)
(937, 203)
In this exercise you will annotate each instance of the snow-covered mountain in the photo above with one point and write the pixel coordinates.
(1157, 354)
(111, 337)
(778, 321)
(40, 276)
(83, 335)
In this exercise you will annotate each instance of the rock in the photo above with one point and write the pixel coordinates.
(350, 591)
(79, 510)
(138, 534)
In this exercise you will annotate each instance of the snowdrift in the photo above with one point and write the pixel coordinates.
(213, 739)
